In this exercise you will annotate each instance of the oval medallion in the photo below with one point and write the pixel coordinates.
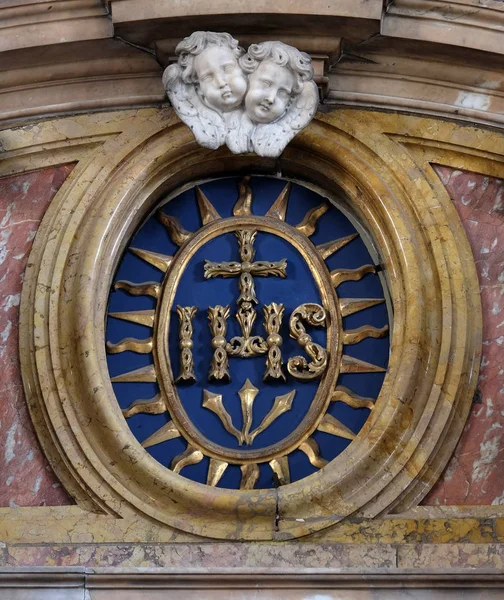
(246, 356)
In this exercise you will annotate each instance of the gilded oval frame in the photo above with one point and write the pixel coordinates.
(322, 397)
(435, 346)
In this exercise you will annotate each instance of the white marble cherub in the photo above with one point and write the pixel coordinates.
(282, 97)
(207, 85)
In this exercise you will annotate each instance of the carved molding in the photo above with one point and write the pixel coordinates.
(69, 583)
(25, 23)
(127, 11)
(64, 59)
(465, 23)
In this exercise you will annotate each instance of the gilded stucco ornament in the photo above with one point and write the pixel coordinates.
(253, 102)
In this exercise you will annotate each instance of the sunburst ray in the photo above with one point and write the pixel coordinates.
(247, 393)
(354, 336)
(243, 206)
(329, 248)
(349, 364)
(349, 306)
(143, 375)
(250, 475)
(312, 451)
(280, 466)
(190, 456)
(216, 469)
(339, 276)
(176, 231)
(281, 405)
(206, 208)
(332, 426)
(343, 394)
(167, 432)
(148, 288)
(142, 317)
(309, 223)
(132, 345)
(150, 406)
(160, 261)
(214, 403)
(278, 209)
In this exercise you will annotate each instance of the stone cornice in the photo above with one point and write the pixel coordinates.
(61, 56)
(25, 23)
(465, 23)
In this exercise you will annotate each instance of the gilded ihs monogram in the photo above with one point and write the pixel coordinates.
(261, 326)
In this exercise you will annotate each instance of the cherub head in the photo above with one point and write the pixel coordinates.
(277, 75)
(210, 61)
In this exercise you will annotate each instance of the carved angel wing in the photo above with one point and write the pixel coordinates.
(206, 124)
(239, 132)
(270, 139)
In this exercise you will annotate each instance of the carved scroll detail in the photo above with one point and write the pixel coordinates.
(298, 366)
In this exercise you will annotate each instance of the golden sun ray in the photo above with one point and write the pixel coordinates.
(216, 469)
(142, 317)
(349, 364)
(329, 248)
(339, 276)
(281, 405)
(309, 223)
(132, 344)
(167, 432)
(354, 336)
(332, 426)
(176, 231)
(343, 394)
(349, 306)
(206, 208)
(278, 209)
(214, 403)
(143, 375)
(250, 475)
(243, 206)
(190, 456)
(148, 288)
(247, 393)
(280, 466)
(151, 406)
(160, 261)
(312, 451)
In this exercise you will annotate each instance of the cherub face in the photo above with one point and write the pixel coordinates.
(270, 89)
(221, 80)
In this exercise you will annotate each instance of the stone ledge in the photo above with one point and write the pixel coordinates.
(24, 23)
(466, 23)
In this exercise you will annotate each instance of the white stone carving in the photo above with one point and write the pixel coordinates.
(253, 102)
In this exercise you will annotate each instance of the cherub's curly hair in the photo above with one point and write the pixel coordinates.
(190, 47)
(283, 55)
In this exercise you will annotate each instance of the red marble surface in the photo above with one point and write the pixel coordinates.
(25, 476)
(474, 475)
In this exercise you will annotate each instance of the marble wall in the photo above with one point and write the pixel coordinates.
(473, 475)
(26, 478)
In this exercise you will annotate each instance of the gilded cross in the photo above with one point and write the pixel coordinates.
(248, 345)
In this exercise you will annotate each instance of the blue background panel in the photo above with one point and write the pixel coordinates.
(299, 287)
